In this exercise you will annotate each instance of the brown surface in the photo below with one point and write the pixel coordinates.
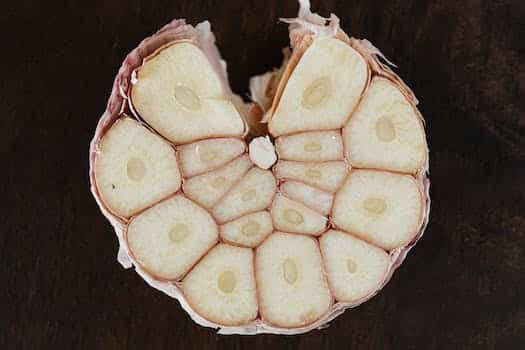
(461, 288)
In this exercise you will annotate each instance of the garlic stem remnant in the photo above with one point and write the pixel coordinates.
(262, 152)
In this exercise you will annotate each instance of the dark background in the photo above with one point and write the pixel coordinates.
(461, 288)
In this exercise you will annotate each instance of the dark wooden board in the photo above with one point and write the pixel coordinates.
(463, 287)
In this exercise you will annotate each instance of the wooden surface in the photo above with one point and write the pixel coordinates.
(463, 287)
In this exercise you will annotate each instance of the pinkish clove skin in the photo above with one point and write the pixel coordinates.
(213, 202)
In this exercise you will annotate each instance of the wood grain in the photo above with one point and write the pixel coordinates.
(461, 288)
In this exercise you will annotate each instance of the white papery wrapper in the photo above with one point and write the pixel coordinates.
(263, 89)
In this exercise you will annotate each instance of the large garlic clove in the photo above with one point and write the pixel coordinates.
(381, 207)
(385, 131)
(134, 168)
(221, 287)
(179, 94)
(292, 288)
(354, 268)
(322, 90)
(168, 238)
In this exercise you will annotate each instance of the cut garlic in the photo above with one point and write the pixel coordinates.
(327, 176)
(385, 131)
(322, 90)
(290, 279)
(329, 211)
(380, 207)
(291, 216)
(262, 152)
(249, 230)
(221, 287)
(203, 156)
(252, 193)
(134, 168)
(178, 93)
(355, 269)
(168, 238)
(313, 146)
(208, 188)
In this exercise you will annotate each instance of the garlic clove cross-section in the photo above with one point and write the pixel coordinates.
(179, 94)
(293, 291)
(385, 132)
(222, 286)
(248, 230)
(169, 238)
(323, 89)
(134, 168)
(252, 193)
(354, 268)
(380, 207)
